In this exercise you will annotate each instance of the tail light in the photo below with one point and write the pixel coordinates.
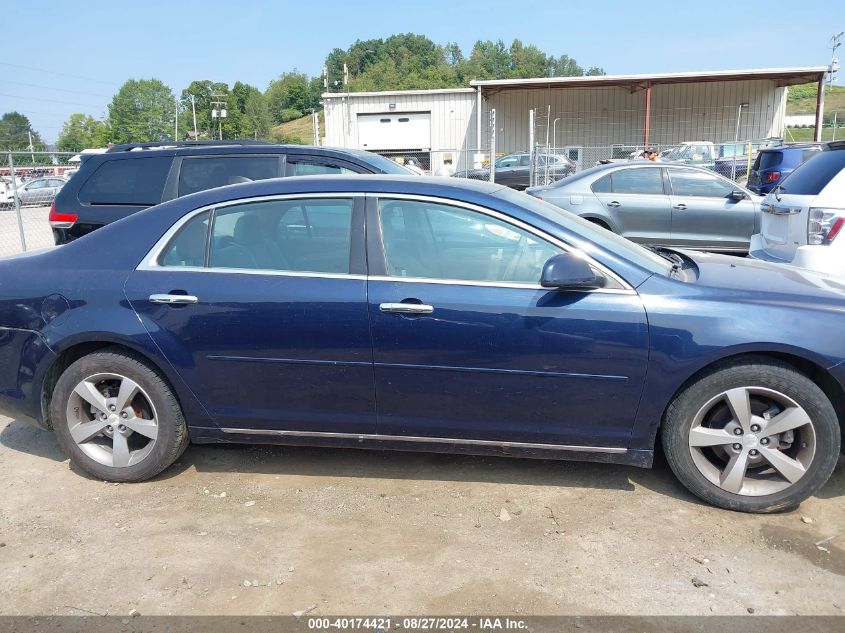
(61, 220)
(824, 225)
(772, 176)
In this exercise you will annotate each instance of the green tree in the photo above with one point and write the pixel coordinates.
(291, 91)
(15, 129)
(142, 111)
(81, 131)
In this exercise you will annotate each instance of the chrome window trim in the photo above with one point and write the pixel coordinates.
(150, 261)
(422, 439)
(507, 219)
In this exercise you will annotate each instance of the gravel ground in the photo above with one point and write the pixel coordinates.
(276, 530)
(36, 230)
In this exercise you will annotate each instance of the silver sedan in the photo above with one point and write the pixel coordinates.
(661, 203)
(40, 191)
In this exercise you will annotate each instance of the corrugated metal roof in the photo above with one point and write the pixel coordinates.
(783, 77)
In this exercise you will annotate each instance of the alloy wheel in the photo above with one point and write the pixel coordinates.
(112, 420)
(752, 441)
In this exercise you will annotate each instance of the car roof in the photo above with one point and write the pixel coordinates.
(141, 150)
(797, 146)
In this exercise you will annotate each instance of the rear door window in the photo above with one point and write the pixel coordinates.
(318, 166)
(641, 181)
(811, 177)
(129, 181)
(200, 173)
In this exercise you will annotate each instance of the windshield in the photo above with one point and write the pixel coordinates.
(811, 177)
(603, 238)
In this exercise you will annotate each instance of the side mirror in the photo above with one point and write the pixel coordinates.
(571, 272)
(737, 195)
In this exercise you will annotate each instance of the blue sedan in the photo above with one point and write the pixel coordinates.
(422, 314)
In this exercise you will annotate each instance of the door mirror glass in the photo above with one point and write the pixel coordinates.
(569, 271)
(738, 195)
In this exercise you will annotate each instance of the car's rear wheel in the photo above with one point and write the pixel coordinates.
(754, 435)
(117, 418)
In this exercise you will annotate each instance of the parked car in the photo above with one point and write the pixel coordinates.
(697, 153)
(804, 215)
(514, 170)
(128, 178)
(36, 192)
(659, 203)
(774, 164)
(422, 314)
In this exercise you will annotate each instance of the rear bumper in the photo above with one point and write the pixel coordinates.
(823, 259)
(23, 356)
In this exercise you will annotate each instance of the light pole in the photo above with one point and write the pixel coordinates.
(554, 132)
(218, 111)
(194, 110)
(176, 122)
(736, 138)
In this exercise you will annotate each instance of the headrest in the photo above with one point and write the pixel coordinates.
(248, 230)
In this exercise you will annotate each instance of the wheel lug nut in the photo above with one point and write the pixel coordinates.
(737, 431)
(124, 415)
(737, 447)
(753, 452)
(112, 408)
(755, 427)
(764, 441)
(108, 428)
(121, 428)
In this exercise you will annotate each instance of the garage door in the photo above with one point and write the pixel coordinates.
(395, 131)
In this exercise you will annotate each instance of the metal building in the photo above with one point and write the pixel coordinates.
(604, 113)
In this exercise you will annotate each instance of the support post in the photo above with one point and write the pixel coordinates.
(493, 145)
(17, 201)
(531, 149)
(819, 109)
(647, 134)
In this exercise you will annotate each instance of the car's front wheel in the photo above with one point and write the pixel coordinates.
(754, 435)
(117, 418)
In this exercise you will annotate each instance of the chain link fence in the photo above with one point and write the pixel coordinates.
(29, 182)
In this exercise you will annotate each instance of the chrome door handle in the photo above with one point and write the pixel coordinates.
(680, 207)
(173, 299)
(406, 308)
(614, 204)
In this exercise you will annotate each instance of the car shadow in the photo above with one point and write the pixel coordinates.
(307, 461)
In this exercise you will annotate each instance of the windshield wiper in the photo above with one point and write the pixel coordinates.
(672, 257)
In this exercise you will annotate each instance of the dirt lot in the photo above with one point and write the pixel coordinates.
(247, 530)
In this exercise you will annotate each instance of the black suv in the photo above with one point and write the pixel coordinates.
(129, 178)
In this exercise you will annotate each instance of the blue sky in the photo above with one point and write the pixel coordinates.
(91, 47)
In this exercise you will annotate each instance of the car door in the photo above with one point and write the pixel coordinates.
(266, 321)
(509, 170)
(635, 202)
(33, 191)
(704, 214)
(468, 346)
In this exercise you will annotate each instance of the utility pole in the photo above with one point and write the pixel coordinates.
(834, 63)
(218, 111)
(31, 147)
(316, 121)
(194, 110)
(176, 122)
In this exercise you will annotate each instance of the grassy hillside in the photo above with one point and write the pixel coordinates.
(299, 131)
(802, 99)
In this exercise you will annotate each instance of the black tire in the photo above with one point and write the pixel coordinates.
(762, 373)
(172, 438)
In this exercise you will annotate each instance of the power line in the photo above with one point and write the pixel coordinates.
(90, 105)
(78, 92)
(53, 72)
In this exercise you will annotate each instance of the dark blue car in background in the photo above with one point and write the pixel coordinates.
(773, 164)
(422, 314)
